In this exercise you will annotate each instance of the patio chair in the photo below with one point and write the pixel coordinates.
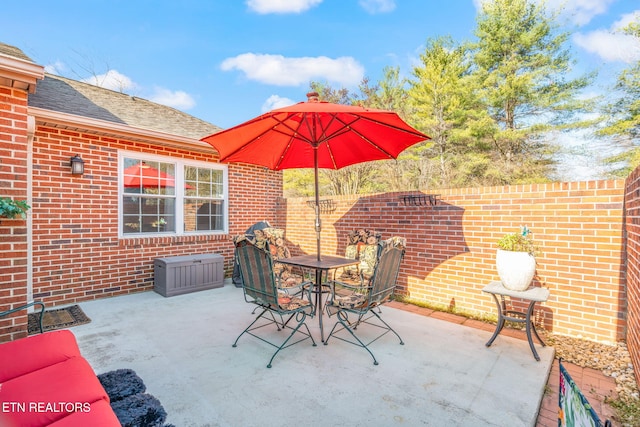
(291, 280)
(362, 244)
(362, 302)
(260, 287)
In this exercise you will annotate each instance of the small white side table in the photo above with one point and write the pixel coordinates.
(533, 295)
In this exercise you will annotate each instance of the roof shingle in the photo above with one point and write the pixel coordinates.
(73, 97)
(9, 50)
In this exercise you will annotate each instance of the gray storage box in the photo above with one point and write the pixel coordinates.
(189, 273)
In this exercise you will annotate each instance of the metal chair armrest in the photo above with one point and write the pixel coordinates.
(24, 307)
(349, 287)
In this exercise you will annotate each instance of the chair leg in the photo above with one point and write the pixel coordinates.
(301, 322)
(300, 318)
(344, 322)
(248, 328)
(285, 323)
(282, 322)
(388, 327)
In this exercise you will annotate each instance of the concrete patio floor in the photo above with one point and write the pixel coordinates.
(181, 348)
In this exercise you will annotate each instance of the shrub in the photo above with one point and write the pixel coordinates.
(13, 208)
(519, 242)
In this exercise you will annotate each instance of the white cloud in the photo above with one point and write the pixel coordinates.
(626, 19)
(378, 6)
(176, 99)
(581, 12)
(58, 68)
(275, 101)
(113, 80)
(281, 6)
(610, 46)
(281, 71)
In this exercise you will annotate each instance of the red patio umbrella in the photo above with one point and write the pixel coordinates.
(145, 176)
(316, 134)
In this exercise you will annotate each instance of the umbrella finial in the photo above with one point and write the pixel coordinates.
(313, 97)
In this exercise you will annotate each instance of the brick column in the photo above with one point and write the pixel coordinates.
(13, 232)
(632, 217)
(18, 77)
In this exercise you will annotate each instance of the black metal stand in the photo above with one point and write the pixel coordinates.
(533, 295)
(519, 317)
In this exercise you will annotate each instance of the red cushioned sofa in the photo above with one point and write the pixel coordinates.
(45, 381)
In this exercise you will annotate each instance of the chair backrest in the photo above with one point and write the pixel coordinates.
(385, 274)
(362, 244)
(256, 268)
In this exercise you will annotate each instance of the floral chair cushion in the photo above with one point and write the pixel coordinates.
(272, 240)
(351, 300)
(289, 278)
(351, 272)
(290, 302)
(257, 240)
(368, 258)
(275, 237)
(351, 252)
(362, 244)
(346, 294)
(363, 236)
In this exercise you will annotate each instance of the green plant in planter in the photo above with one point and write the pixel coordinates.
(13, 208)
(519, 242)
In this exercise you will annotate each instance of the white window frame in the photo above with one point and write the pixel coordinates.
(179, 193)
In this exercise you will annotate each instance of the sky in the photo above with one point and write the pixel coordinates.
(227, 61)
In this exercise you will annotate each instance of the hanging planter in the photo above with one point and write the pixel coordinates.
(515, 260)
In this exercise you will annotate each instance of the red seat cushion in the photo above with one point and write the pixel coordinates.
(49, 394)
(36, 352)
(99, 414)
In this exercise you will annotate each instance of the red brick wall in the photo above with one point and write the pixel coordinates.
(632, 201)
(77, 254)
(13, 232)
(451, 247)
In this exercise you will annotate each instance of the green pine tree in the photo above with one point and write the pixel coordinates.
(523, 68)
(624, 113)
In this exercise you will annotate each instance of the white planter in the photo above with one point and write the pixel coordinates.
(516, 269)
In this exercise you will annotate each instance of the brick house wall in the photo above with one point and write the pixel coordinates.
(13, 183)
(451, 246)
(77, 254)
(632, 213)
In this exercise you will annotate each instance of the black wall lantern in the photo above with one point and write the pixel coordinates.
(77, 165)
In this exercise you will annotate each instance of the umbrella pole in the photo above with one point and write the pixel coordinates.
(318, 226)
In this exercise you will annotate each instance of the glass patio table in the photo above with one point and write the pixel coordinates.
(321, 267)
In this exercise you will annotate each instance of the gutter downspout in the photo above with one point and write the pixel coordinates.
(31, 130)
